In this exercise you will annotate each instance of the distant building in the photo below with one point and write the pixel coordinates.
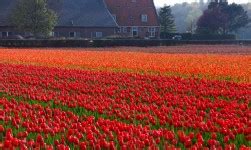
(217, 1)
(77, 19)
(94, 18)
(136, 18)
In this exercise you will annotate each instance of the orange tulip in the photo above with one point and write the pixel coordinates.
(211, 66)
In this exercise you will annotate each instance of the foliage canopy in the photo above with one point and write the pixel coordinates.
(223, 19)
(34, 17)
(167, 20)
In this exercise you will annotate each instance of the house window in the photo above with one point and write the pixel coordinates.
(114, 17)
(10, 33)
(124, 29)
(4, 34)
(152, 31)
(119, 30)
(135, 31)
(98, 34)
(72, 34)
(131, 18)
(144, 18)
(55, 34)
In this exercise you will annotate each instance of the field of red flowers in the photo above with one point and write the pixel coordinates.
(77, 103)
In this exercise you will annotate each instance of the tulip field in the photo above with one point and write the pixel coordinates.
(114, 98)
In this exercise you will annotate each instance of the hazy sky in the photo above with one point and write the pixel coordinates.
(171, 2)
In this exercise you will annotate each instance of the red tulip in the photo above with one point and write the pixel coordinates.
(226, 139)
(1, 128)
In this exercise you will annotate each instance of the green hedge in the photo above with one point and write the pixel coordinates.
(44, 43)
(111, 43)
(189, 36)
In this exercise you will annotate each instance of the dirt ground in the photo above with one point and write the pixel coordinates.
(184, 49)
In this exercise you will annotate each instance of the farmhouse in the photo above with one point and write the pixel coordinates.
(76, 18)
(93, 18)
(85, 18)
(136, 18)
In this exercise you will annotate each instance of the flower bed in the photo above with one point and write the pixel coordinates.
(63, 107)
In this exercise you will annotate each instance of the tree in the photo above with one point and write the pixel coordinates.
(213, 21)
(34, 17)
(217, 4)
(166, 20)
(222, 19)
(237, 17)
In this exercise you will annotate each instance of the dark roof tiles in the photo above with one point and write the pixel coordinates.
(76, 13)
(90, 13)
(5, 10)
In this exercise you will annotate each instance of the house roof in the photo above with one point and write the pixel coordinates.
(75, 13)
(128, 12)
(5, 8)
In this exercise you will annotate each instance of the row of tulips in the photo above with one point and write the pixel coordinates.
(153, 101)
(224, 67)
(28, 126)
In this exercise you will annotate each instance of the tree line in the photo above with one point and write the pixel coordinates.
(196, 18)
